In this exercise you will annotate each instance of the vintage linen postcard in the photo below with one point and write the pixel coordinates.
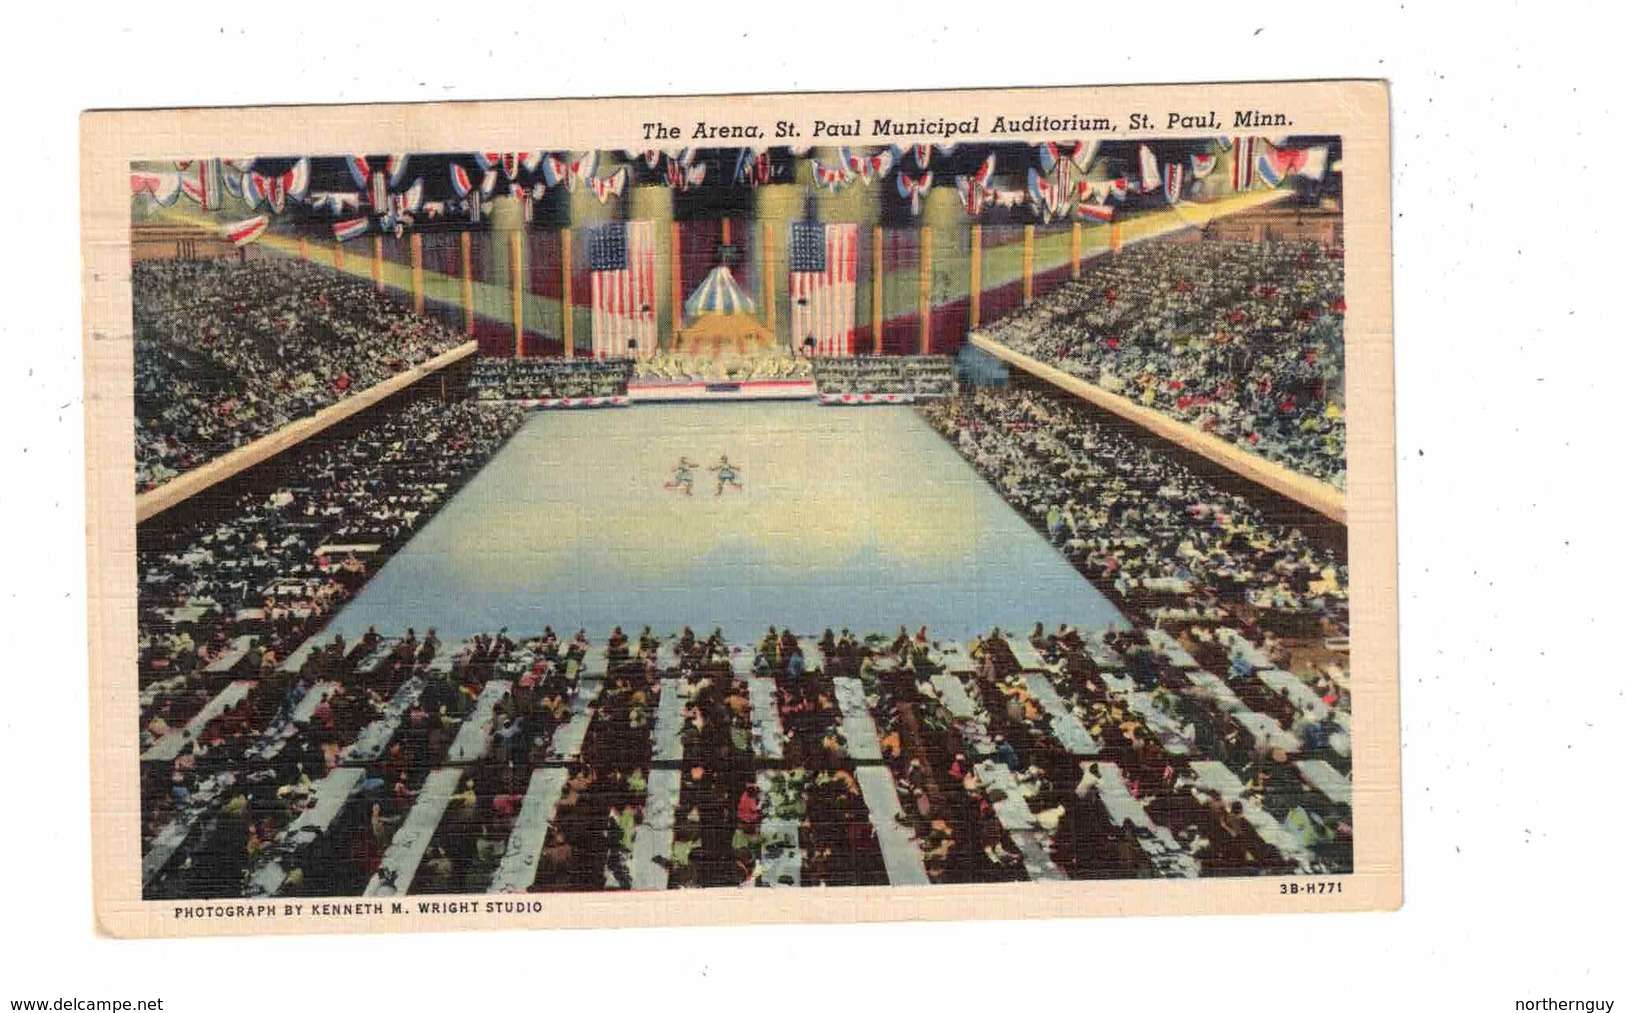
(687, 510)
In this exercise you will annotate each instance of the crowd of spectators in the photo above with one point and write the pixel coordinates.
(274, 564)
(918, 376)
(500, 378)
(740, 812)
(228, 351)
(1240, 340)
(1140, 525)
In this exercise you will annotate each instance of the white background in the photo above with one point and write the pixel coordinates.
(1506, 180)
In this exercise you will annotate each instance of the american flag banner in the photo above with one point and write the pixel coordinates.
(622, 258)
(823, 285)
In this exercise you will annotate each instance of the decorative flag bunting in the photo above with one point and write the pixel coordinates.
(1173, 181)
(527, 196)
(1095, 212)
(914, 188)
(350, 229)
(1150, 178)
(834, 177)
(510, 161)
(613, 185)
(395, 167)
(275, 190)
(360, 171)
(400, 207)
(973, 195)
(1241, 163)
(622, 258)
(162, 188)
(240, 186)
(1047, 200)
(984, 175)
(823, 285)
(974, 192)
(753, 169)
(582, 170)
(1202, 165)
(1079, 153)
(460, 181)
(244, 232)
(473, 197)
(553, 170)
(203, 181)
(1276, 164)
(683, 171)
(868, 167)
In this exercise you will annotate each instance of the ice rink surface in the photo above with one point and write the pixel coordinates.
(858, 517)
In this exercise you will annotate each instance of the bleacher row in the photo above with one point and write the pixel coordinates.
(399, 765)
(508, 379)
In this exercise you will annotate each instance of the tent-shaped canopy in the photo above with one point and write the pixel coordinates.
(719, 293)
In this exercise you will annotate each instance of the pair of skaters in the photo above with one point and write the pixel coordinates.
(683, 475)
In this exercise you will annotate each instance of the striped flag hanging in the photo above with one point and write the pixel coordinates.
(1173, 181)
(823, 285)
(1242, 157)
(622, 258)
(204, 182)
(244, 232)
(1150, 176)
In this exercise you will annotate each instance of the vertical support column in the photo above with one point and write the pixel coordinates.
(378, 262)
(467, 243)
(676, 280)
(338, 256)
(417, 272)
(769, 305)
(304, 248)
(1077, 249)
(1117, 237)
(877, 308)
(727, 231)
(566, 295)
(925, 290)
(1028, 233)
(516, 287)
(975, 276)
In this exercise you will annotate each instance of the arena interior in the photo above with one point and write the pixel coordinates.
(654, 520)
